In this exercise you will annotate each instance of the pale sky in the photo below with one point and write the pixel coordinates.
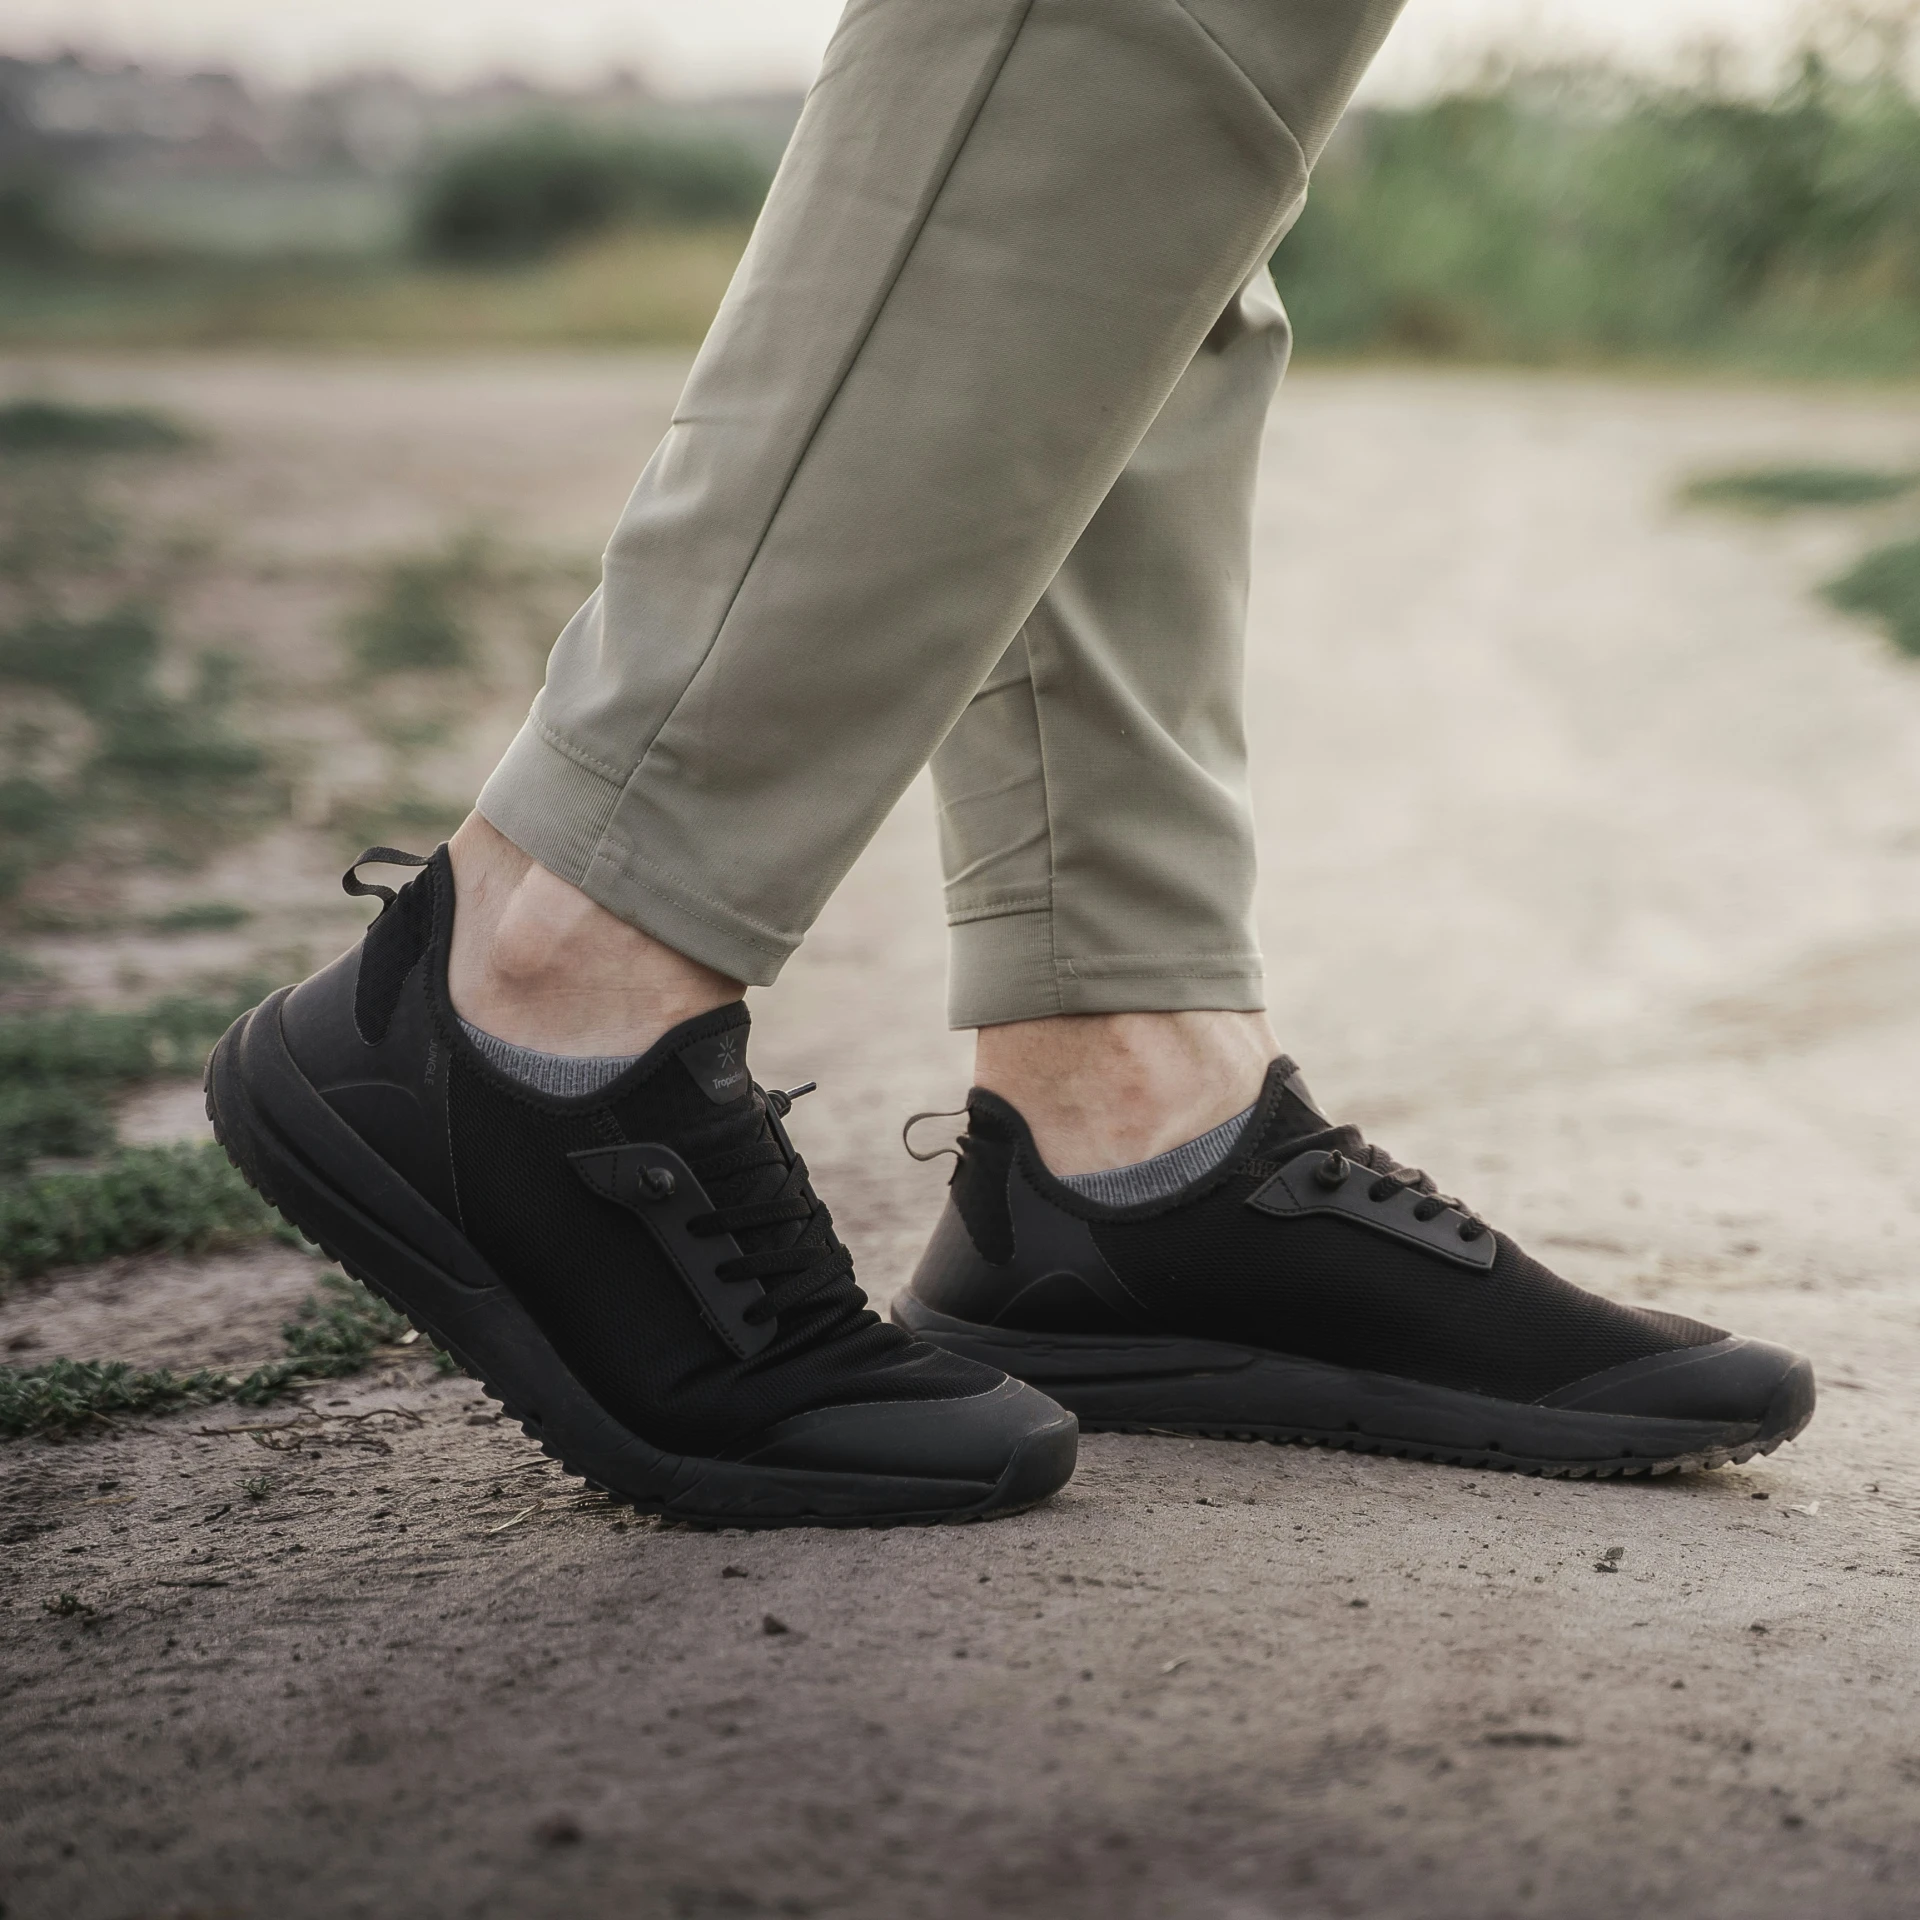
(701, 46)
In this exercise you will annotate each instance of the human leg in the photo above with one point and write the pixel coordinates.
(1095, 822)
(1003, 232)
(1150, 1218)
(1004, 229)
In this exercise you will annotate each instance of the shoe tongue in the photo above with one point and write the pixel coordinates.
(1293, 1113)
(729, 1119)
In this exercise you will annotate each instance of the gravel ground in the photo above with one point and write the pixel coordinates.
(1591, 851)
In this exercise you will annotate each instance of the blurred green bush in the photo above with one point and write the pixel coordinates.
(54, 426)
(1580, 217)
(524, 192)
(1884, 585)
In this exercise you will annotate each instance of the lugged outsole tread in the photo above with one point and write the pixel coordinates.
(1705, 1461)
(711, 1523)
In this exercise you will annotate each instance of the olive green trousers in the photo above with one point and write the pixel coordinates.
(963, 473)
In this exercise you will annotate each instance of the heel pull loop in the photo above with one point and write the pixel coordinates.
(939, 1153)
(353, 885)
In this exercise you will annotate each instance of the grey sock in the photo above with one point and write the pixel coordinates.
(1164, 1174)
(567, 1074)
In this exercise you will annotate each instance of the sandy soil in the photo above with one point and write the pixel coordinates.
(1591, 849)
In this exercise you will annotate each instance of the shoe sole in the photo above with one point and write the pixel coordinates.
(303, 1160)
(1164, 1384)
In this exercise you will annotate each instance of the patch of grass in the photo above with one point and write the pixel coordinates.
(1771, 490)
(51, 1123)
(19, 970)
(63, 1396)
(176, 1199)
(1884, 585)
(37, 827)
(154, 753)
(52, 530)
(337, 1330)
(54, 426)
(625, 288)
(200, 916)
(526, 189)
(98, 663)
(415, 621)
(171, 1036)
(1566, 217)
(106, 666)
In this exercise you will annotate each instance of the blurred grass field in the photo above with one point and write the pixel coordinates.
(1547, 218)
(630, 287)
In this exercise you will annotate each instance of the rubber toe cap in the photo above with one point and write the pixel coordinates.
(1731, 1382)
(977, 1439)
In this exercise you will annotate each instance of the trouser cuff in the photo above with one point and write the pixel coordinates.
(1004, 967)
(557, 809)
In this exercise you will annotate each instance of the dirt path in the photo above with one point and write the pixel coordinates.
(1592, 845)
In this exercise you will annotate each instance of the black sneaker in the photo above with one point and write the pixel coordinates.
(1309, 1289)
(642, 1276)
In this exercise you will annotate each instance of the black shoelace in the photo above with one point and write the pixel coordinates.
(1351, 1154)
(763, 1197)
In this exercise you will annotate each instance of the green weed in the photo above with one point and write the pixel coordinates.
(1780, 489)
(105, 666)
(53, 531)
(18, 970)
(49, 1123)
(62, 1396)
(414, 621)
(37, 827)
(337, 1330)
(200, 916)
(177, 1199)
(627, 287)
(171, 1036)
(1575, 216)
(1884, 585)
(53, 426)
(528, 189)
(155, 753)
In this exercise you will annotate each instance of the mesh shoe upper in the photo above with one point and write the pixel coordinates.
(591, 1276)
(1321, 1286)
(377, 1036)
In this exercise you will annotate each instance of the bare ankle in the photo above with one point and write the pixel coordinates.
(1108, 1089)
(536, 962)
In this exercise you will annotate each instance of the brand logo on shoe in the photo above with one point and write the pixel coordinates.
(718, 1065)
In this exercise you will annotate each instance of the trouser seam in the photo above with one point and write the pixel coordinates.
(1046, 809)
(1220, 47)
(1188, 964)
(1009, 908)
(561, 744)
